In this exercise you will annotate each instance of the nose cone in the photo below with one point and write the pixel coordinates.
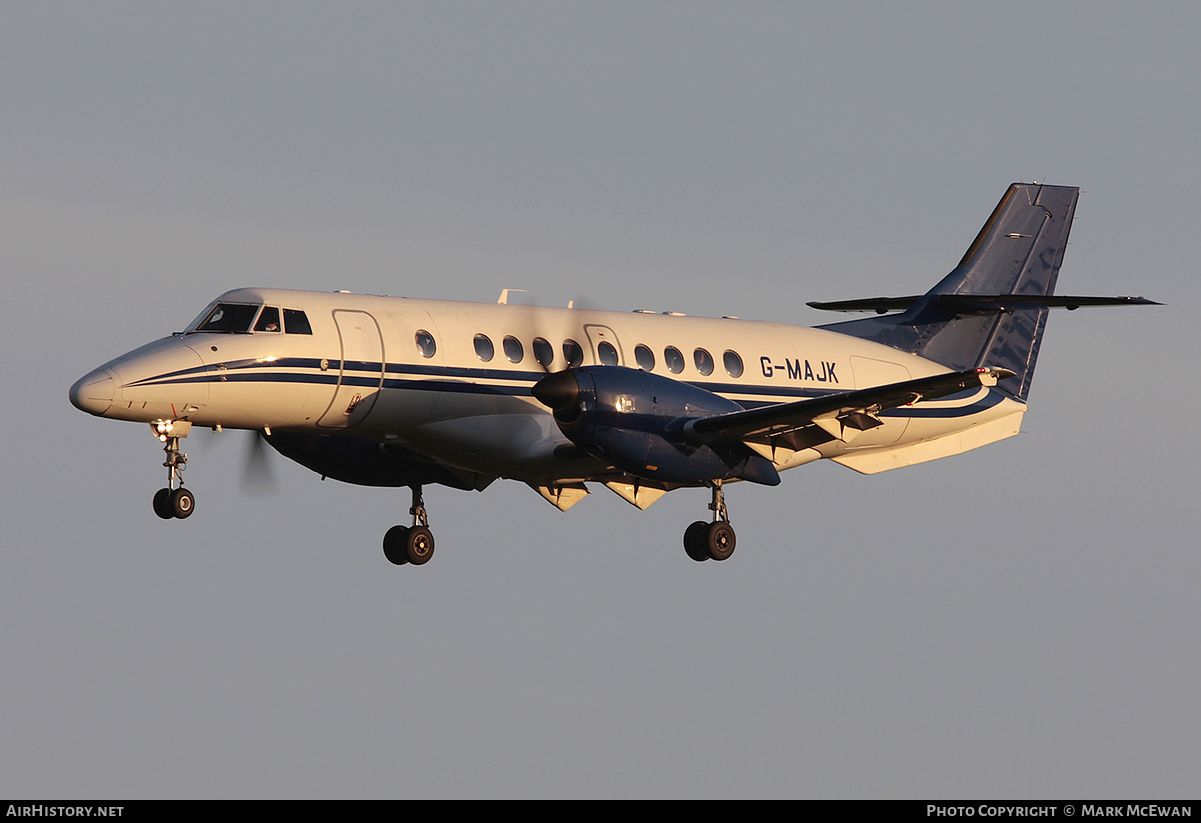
(162, 380)
(93, 393)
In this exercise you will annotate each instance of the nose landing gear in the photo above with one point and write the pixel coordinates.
(711, 541)
(411, 544)
(174, 501)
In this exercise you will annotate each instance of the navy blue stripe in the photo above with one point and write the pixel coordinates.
(331, 377)
(989, 400)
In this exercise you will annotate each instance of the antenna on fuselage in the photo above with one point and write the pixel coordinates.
(504, 295)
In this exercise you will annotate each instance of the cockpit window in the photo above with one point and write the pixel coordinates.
(229, 317)
(296, 322)
(268, 320)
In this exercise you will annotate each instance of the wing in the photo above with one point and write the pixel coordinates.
(840, 416)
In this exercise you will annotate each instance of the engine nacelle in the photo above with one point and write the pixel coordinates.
(634, 420)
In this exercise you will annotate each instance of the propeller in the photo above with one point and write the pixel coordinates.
(258, 480)
(558, 391)
(544, 342)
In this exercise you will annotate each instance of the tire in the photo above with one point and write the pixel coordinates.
(182, 503)
(162, 504)
(420, 545)
(720, 540)
(694, 541)
(396, 545)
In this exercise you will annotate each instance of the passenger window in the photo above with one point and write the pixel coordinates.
(645, 357)
(606, 353)
(513, 349)
(572, 353)
(704, 361)
(544, 352)
(296, 322)
(733, 363)
(425, 343)
(483, 347)
(673, 359)
(268, 319)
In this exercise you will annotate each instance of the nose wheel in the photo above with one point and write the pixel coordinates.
(715, 540)
(411, 544)
(173, 501)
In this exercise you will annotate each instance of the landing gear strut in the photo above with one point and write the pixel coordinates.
(715, 540)
(411, 544)
(174, 501)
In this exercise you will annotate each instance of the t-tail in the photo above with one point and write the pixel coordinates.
(992, 308)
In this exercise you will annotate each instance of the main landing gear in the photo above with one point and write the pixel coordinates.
(411, 544)
(716, 540)
(174, 501)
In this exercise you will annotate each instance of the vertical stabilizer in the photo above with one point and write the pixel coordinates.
(1017, 252)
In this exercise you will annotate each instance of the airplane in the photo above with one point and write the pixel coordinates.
(401, 392)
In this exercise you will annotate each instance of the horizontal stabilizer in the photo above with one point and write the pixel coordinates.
(980, 303)
(992, 308)
(851, 410)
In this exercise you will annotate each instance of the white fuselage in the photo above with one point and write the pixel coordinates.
(410, 372)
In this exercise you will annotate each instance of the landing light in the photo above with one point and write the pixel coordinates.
(164, 430)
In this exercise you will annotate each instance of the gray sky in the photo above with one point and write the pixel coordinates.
(1019, 621)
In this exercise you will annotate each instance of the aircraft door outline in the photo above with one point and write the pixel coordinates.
(361, 375)
(599, 335)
